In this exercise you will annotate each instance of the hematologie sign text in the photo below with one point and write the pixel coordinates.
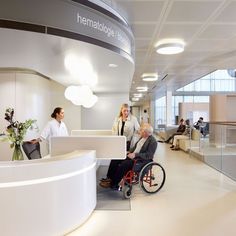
(95, 24)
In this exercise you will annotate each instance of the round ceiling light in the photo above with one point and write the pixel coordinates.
(149, 77)
(137, 95)
(142, 89)
(170, 48)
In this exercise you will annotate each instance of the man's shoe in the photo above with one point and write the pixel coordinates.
(105, 180)
(160, 141)
(172, 146)
(105, 184)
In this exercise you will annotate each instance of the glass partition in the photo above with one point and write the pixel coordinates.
(218, 148)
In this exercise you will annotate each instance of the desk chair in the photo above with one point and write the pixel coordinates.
(32, 151)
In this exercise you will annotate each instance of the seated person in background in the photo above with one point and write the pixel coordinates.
(179, 131)
(186, 135)
(199, 123)
(205, 129)
(143, 151)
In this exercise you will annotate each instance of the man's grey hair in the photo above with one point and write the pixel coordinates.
(148, 128)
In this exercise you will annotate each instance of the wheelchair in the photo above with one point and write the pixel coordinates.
(150, 176)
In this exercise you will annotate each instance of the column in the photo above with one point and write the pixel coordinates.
(152, 114)
(168, 107)
(218, 112)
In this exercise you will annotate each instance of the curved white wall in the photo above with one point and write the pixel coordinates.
(33, 96)
(103, 114)
(28, 94)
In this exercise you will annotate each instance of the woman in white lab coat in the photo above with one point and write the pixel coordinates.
(54, 128)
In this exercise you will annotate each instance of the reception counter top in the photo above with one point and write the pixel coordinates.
(50, 196)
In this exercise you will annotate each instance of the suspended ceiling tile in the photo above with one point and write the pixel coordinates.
(140, 57)
(201, 70)
(206, 45)
(192, 11)
(142, 44)
(195, 54)
(163, 59)
(180, 31)
(143, 30)
(154, 68)
(227, 14)
(218, 32)
(142, 11)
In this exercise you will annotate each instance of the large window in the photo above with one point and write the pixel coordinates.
(186, 99)
(160, 107)
(175, 107)
(219, 81)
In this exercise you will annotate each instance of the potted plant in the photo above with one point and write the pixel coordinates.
(15, 133)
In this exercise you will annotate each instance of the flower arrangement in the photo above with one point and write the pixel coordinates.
(15, 132)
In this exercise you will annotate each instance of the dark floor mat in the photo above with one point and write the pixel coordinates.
(108, 199)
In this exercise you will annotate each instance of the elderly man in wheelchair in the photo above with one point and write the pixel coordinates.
(138, 167)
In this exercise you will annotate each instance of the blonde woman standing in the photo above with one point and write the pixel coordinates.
(125, 124)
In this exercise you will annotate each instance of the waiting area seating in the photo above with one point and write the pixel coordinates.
(185, 144)
(165, 133)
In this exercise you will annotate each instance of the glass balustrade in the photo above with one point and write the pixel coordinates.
(217, 148)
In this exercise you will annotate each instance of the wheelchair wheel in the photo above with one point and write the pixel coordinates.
(127, 191)
(152, 177)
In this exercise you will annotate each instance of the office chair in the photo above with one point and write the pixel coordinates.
(32, 151)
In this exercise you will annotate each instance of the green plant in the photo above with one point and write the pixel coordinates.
(16, 130)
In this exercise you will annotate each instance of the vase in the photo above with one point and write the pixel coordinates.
(17, 153)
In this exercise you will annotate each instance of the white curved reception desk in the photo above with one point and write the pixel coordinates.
(51, 196)
(54, 195)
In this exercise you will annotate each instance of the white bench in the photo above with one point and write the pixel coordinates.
(167, 132)
(185, 144)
